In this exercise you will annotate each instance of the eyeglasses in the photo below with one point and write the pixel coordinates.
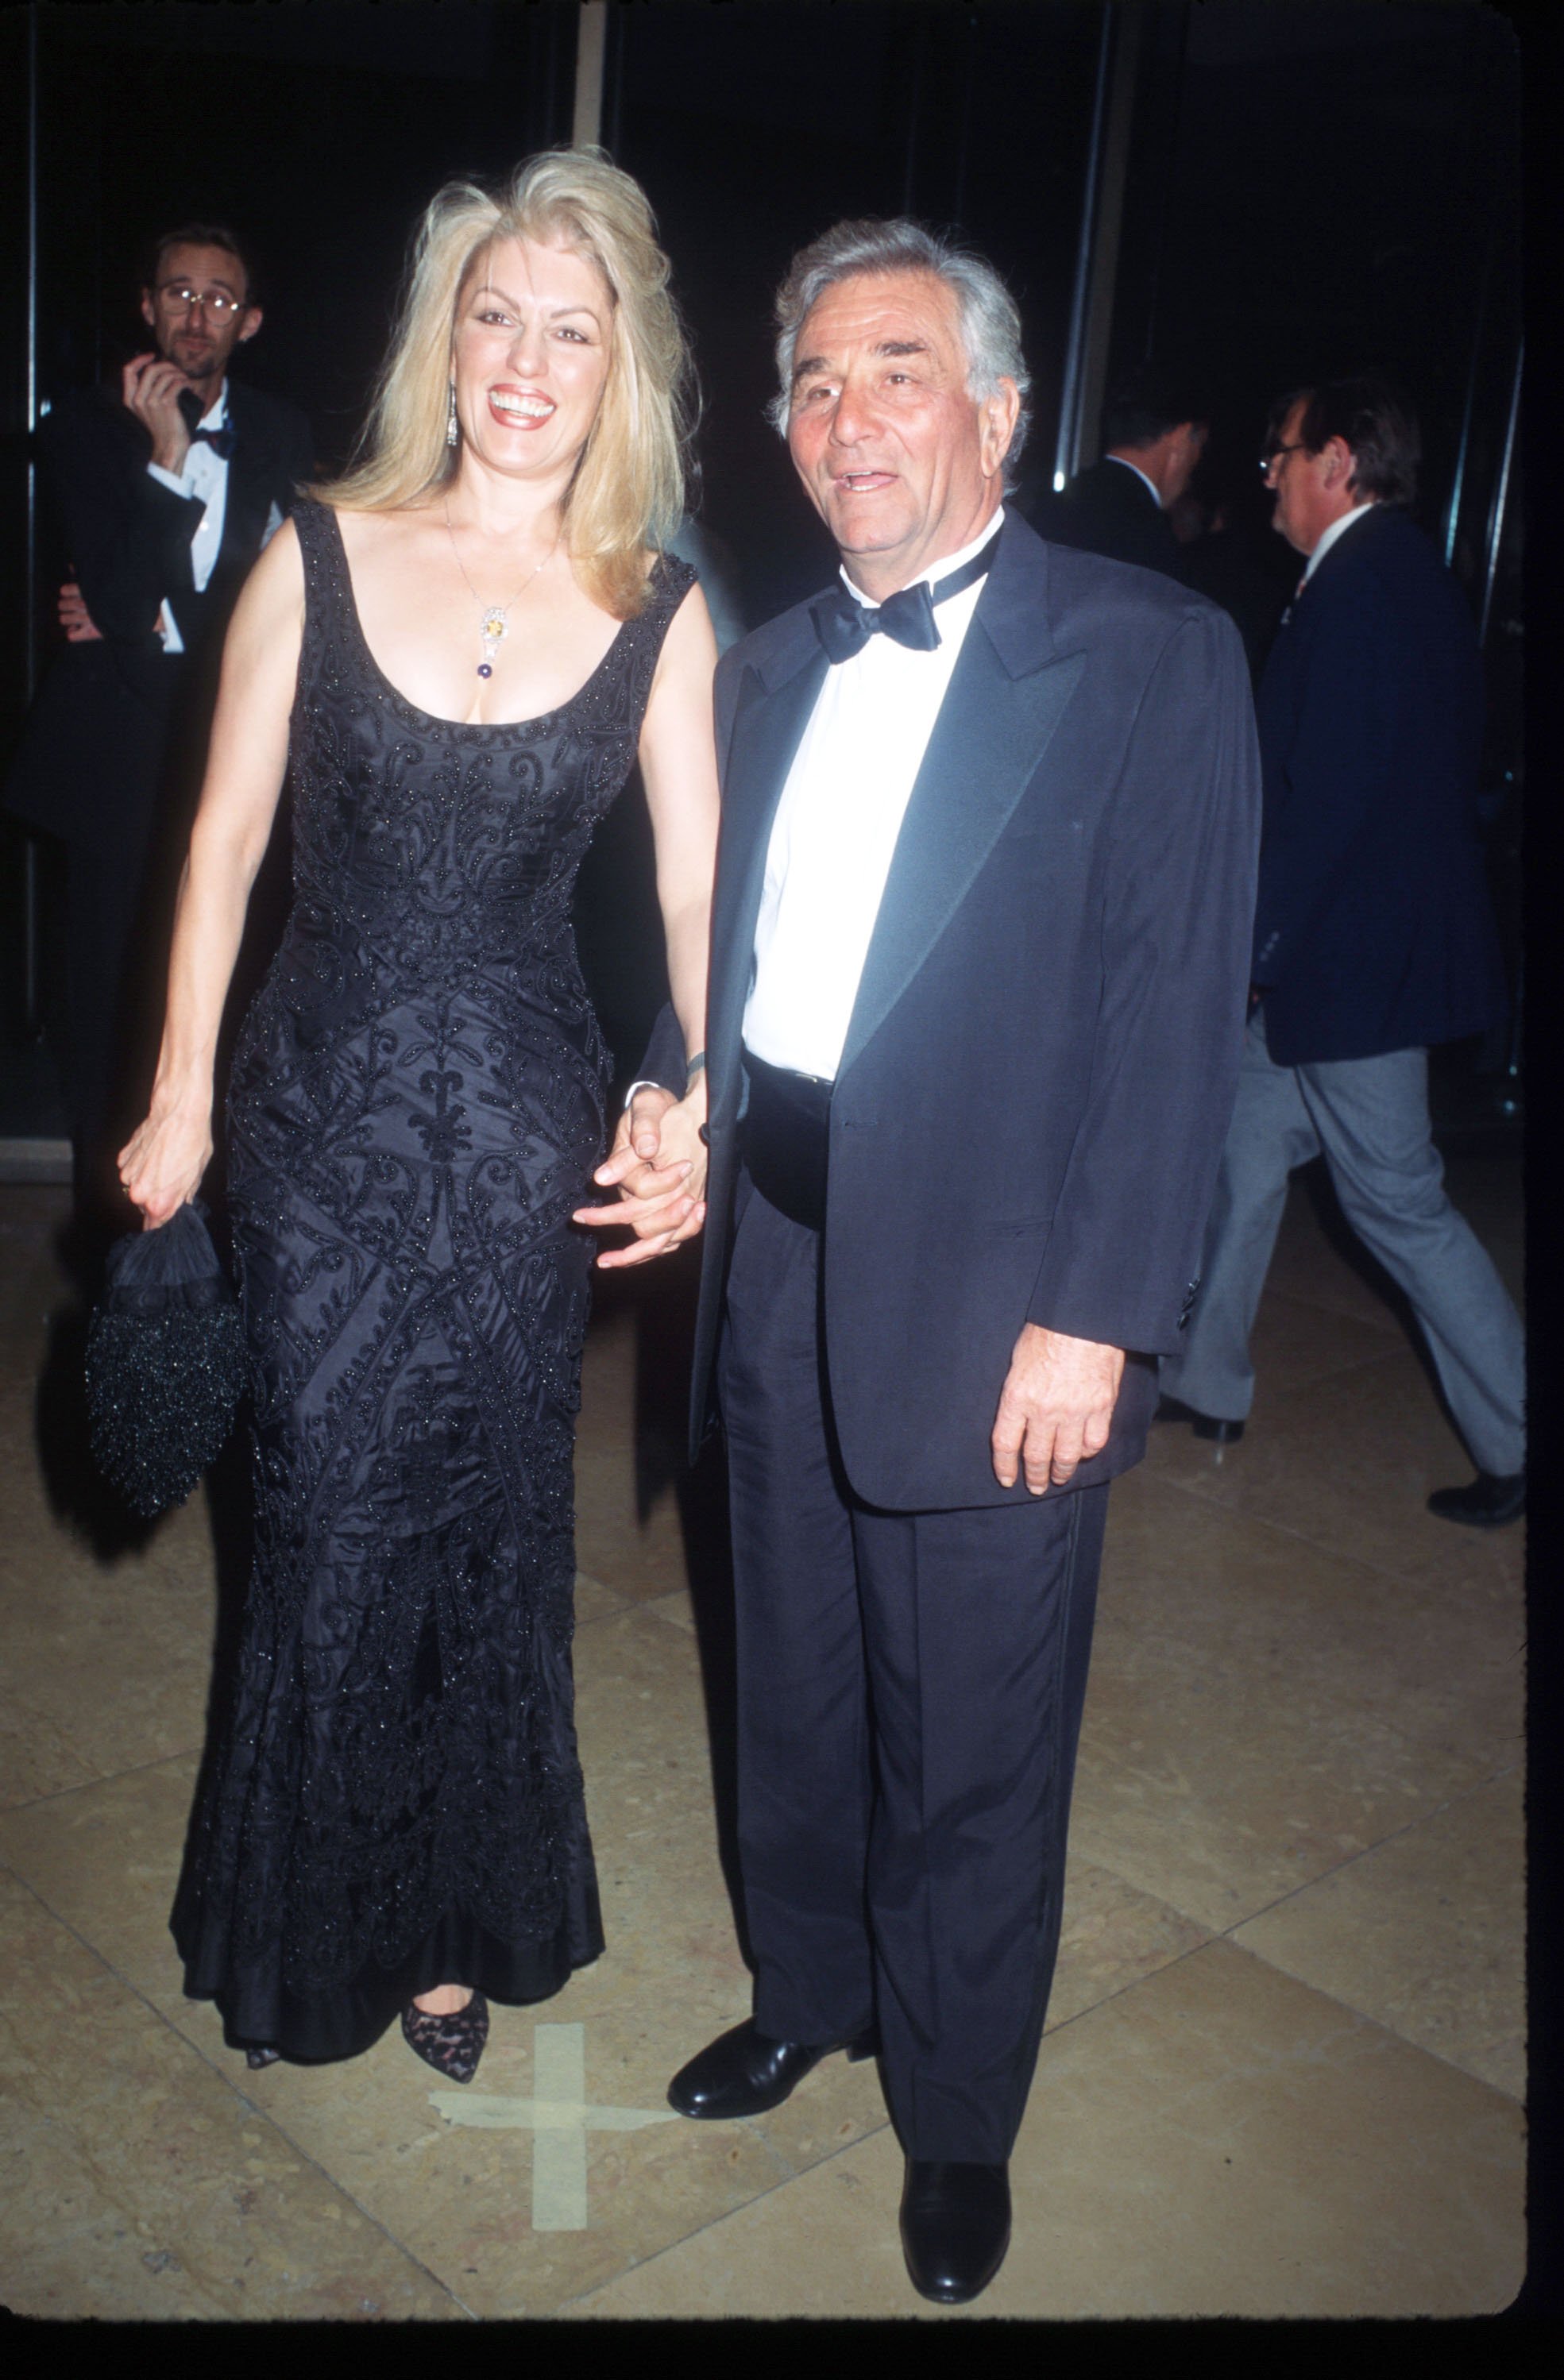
(215, 302)
(1268, 462)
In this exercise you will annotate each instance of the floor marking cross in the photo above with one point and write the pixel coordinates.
(559, 2118)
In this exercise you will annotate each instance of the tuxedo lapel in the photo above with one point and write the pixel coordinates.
(1006, 697)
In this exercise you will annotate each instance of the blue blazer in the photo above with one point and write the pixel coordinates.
(1041, 1061)
(1374, 927)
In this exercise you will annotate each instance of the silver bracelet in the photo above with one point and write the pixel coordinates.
(692, 1066)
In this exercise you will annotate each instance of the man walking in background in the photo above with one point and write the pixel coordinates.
(1373, 938)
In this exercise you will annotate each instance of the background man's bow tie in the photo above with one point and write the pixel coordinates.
(220, 440)
(845, 625)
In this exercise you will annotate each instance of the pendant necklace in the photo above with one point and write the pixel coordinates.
(491, 616)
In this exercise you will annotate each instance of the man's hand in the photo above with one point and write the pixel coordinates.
(1055, 1408)
(151, 387)
(659, 1183)
(75, 618)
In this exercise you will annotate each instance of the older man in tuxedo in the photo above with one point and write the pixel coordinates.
(164, 489)
(979, 957)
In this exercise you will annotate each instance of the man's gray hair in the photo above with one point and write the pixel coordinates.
(990, 323)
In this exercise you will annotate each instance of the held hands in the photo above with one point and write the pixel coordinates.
(162, 1164)
(1055, 1408)
(152, 388)
(658, 1166)
(75, 618)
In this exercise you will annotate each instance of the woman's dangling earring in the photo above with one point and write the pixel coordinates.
(453, 434)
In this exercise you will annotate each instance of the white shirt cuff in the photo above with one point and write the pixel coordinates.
(167, 480)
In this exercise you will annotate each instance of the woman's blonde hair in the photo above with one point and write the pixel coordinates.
(628, 489)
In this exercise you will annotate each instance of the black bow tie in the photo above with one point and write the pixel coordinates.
(220, 440)
(845, 625)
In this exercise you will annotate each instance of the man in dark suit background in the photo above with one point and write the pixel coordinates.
(1374, 939)
(1154, 429)
(980, 945)
(163, 491)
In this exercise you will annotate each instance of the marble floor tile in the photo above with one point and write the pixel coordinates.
(1259, 1711)
(1218, 2140)
(36, 1754)
(1112, 1936)
(1347, 1466)
(135, 2182)
(595, 1601)
(105, 1861)
(1302, 1345)
(676, 1608)
(1426, 1934)
(112, 1667)
(640, 1554)
(460, 2193)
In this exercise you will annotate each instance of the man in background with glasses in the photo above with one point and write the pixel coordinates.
(165, 489)
(1374, 939)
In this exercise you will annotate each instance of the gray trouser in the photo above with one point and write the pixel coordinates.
(1370, 1116)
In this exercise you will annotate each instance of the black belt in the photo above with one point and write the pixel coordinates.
(784, 1138)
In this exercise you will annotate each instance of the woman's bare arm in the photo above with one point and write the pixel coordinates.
(162, 1162)
(679, 769)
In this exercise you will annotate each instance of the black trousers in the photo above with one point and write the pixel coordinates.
(910, 1695)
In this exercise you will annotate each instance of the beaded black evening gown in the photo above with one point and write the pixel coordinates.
(416, 1104)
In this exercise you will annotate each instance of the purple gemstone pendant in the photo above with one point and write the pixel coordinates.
(483, 670)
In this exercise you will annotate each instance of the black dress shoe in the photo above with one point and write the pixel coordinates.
(1224, 1433)
(744, 2072)
(955, 2227)
(1493, 1499)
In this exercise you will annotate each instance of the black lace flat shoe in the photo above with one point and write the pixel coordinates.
(955, 2227)
(263, 2056)
(743, 2072)
(452, 2044)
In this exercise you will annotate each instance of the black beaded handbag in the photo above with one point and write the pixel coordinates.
(166, 1361)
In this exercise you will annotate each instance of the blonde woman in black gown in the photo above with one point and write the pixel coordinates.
(459, 650)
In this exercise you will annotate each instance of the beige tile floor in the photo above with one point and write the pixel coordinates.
(1284, 2067)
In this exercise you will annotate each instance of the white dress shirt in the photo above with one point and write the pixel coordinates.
(836, 830)
(1329, 538)
(205, 474)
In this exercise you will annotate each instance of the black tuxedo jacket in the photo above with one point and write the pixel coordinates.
(1375, 929)
(1043, 1053)
(1109, 510)
(96, 735)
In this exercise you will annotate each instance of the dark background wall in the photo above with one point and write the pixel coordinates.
(1309, 185)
